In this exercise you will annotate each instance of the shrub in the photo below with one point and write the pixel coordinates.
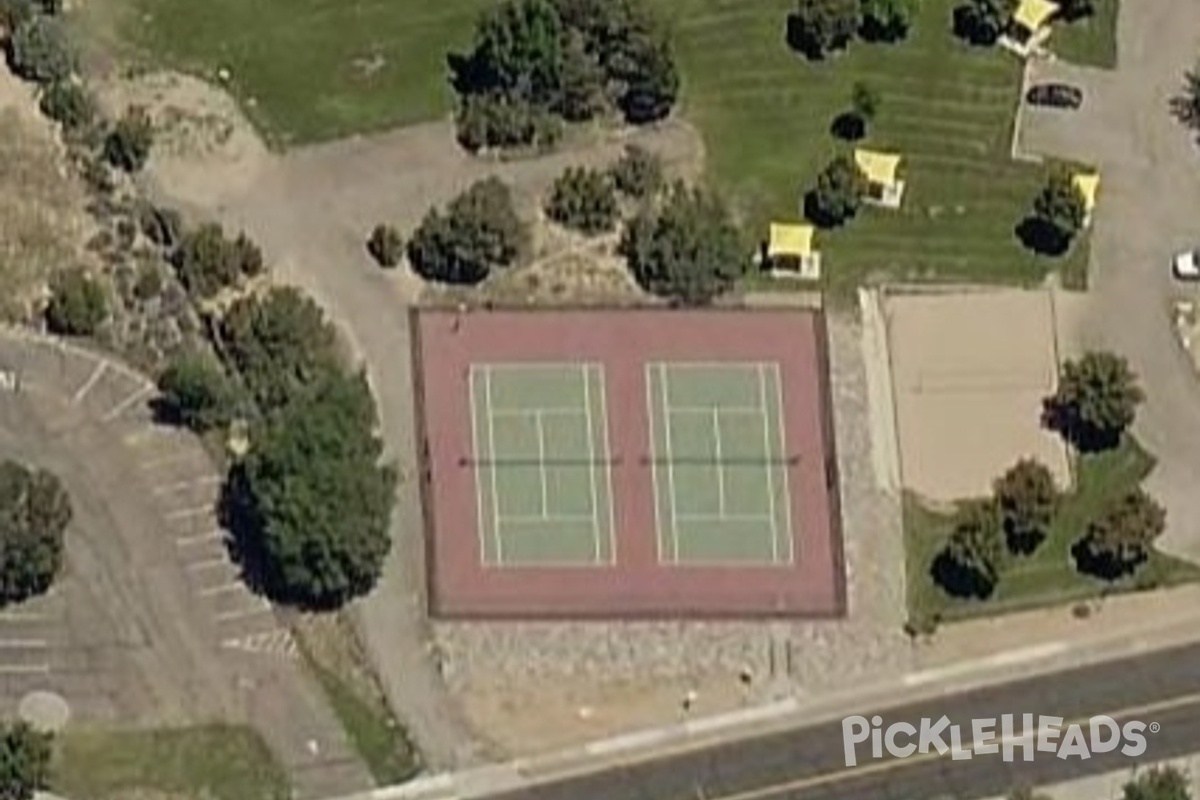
(1096, 401)
(479, 232)
(163, 226)
(838, 194)
(40, 51)
(638, 173)
(208, 262)
(386, 245)
(583, 199)
(494, 121)
(818, 27)
(25, 756)
(34, 513)
(1120, 540)
(13, 13)
(149, 282)
(78, 304)
(128, 144)
(887, 20)
(68, 103)
(196, 393)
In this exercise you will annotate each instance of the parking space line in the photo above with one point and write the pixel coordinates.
(90, 383)
(179, 486)
(195, 511)
(24, 669)
(262, 608)
(163, 461)
(211, 536)
(208, 563)
(224, 588)
(21, 616)
(22, 644)
(124, 405)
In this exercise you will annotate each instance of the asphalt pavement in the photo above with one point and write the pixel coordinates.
(1162, 688)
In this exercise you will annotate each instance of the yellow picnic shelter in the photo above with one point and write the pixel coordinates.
(790, 252)
(1088, 184)
(885, 188)
(1029, 26)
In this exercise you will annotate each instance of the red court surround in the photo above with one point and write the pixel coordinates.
(447, 342)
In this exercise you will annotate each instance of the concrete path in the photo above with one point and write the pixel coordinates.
(1149, 208)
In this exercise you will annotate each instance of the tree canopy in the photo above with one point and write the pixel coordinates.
(128, 144)
(1059, 212)
(1160, 782)
(315, 499)
(571, 58)
(887, 20)
(39, 50)
(280, 344)
(817, 27)
(688, 249)
(34, 513)
(638, 173)
(1025, 497)
(1119, 540)
(1096, 401)
(197, 393)
(838, 194)
(583, 199)
(207, 261)
(974, 557)
(24, 761)
(479, 231)
(983, 21)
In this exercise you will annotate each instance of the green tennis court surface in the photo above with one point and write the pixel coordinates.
(542, 464)
(719, 465)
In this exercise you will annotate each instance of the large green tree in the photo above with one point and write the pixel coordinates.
(817, 27)
(518, 51)
(34, 513)
(971, 563)
(1059, 212)
(1096, 401)
(197, 393)
(838, 194)
(479, 231)
(983, 21)
(280, 344)
(688, 249)
(1025, 497)
(1121, 538)
(314, 497)
(887, 20)
(24, 761)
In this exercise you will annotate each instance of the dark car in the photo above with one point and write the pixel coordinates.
(1056, 95)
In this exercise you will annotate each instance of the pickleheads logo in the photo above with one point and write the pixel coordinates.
(1100, 734)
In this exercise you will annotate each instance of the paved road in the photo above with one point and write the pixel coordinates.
(1162, 687)
(1149, 208)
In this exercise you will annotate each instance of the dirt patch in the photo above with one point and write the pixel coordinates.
(205, 150)
(43, 222)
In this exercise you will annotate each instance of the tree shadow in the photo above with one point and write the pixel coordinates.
(874, 32)
(819, 216)
(848, 126)
(1041, 237)
(966, 26)
(235, 513)
(1103, 565)
(1063, 420)
(959, 580)
(801, 41)
(465, 75)
(1023, 543)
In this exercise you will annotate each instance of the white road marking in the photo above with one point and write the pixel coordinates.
(224, 588)
(22, 644)
(264, 607)
(179, 486)
(163, 461)
(208, 563)
(199, 538)
(90, 383)
(185, 513)
(124, 405)
(24, 669)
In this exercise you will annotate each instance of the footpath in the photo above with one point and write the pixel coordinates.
(957, 659)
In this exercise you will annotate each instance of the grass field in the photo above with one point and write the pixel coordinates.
(1092, 41)
(319, 69)
(217, 762)
(1048, 576)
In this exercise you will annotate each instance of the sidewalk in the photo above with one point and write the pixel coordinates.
(1110, 785)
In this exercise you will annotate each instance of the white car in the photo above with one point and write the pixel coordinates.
(1186, 265)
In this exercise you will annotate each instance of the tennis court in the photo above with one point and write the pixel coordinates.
(720, 468)
(541, 461)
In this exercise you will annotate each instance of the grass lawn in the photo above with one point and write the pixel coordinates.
(379, 739)
(1092, 41)
(948, 108)
(316, 69)
(217, 762)
(1048, 576)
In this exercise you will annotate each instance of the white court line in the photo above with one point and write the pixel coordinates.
(199, 538)
(208, 563)
(92, 380)
(541, 440)
(755, 410)
(264, 606)
(787, 493)
(224, 588)
(716, 423)
(591, 450)
(723, 518)
(479, 515)
(612, 544)
(523, 519)
(666, 405)
(185, 513)
(552, 411)
(24, 669)
(653, 416)
(120, 407)
(766, 429)
(487, 394)
(170, 488)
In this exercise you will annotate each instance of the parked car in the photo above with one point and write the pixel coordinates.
(1055, 95)
(1186, 265)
